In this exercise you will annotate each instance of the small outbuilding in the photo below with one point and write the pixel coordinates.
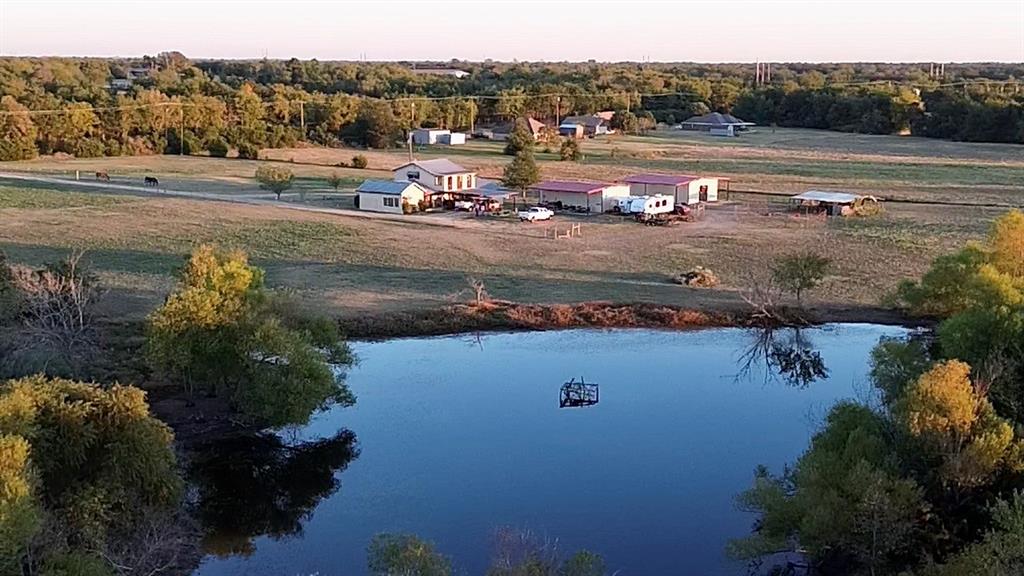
(429, 135)
(389, 195)
(685, 188)
(452, 139)
(832, 203)
(585, 196)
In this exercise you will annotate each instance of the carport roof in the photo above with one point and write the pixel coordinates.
(666, 179)
(570, 186)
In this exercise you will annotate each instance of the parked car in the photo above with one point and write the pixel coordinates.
(535, 214)
(463, 205)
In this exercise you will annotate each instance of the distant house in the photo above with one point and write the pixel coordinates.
(389, 196)
(138, 72)
(591, 196)
(441, 72)
(120, 83)
(571, 130)
(686, 189)
(716, 123)
(438, 175)
(501, 131)
(593, 124)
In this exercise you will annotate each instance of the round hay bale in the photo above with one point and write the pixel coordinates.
(699, 277)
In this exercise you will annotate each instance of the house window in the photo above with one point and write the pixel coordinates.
(438, 181)
(449, 183)
(469, 181)
(458, 183)
(391, 202)
(412, 175)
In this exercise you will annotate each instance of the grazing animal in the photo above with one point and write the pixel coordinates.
(103, 176)
(150, 181)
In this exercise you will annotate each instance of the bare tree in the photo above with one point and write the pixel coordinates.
(56, 308)
(479, 290)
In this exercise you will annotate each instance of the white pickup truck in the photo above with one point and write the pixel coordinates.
(535, 214)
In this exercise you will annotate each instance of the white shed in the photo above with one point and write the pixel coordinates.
(591, 196)
(452, 138)
(685, 188)
(389, 195)
(428, 135)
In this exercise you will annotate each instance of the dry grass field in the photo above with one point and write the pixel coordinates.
(349, 265)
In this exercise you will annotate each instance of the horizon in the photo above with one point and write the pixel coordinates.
(836, 31)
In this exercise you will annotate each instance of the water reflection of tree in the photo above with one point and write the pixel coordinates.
(787, 353)
(257, 486)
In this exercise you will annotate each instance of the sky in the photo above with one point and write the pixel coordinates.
(552, 30)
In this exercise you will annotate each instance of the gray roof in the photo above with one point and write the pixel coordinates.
(717, 119)
(391, 187)
(437, 167)
(831, 197)
(590, 120)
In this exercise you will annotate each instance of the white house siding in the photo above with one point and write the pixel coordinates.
(372, 202)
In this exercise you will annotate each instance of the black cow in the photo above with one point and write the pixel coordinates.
(150, 181)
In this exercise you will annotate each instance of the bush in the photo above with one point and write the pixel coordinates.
(248, 151)
(570, 150)
(218, 148)
(359, 161)
(89, 148)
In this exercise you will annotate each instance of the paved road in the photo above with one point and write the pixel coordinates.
(239, 199)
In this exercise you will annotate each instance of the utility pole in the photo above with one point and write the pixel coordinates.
(558, 110)
(181, 129)
(302, 118)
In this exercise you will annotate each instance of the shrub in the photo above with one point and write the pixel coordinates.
(359, 161)
(570, 150)
(248, 151)
(218, 148)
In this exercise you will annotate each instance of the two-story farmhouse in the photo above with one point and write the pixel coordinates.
(439, 175)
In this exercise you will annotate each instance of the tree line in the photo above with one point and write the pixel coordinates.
(174, 105)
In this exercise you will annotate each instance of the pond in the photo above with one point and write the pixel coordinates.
(456, 438)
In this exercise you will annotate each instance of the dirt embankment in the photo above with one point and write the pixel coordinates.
(510, 316)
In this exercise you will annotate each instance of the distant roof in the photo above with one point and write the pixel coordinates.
(535, 125)
(385, 187)
(441, 130)
(570, 186)
(437, 166)
(667, 179)
(448, 71)
(717, 119)
(833, 197)
(588, 120)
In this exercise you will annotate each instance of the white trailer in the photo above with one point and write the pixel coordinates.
(656, 204)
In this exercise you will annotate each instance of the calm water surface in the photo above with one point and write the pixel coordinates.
(455, 437)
